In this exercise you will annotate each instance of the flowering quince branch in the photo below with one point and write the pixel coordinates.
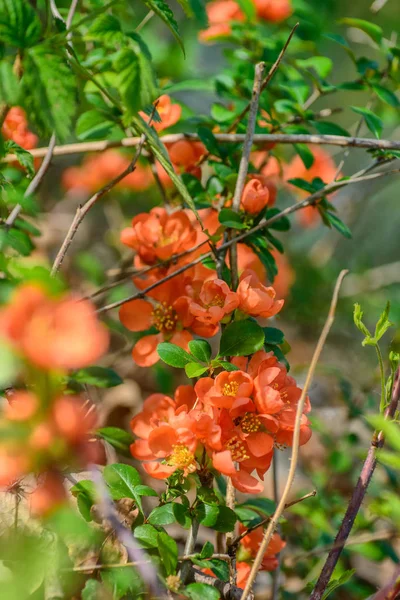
(234, 138)
(296, 439)
(266, 81)
(239, 538)
(309, 201)
(357, 497)
(244, 161)
(83, 210)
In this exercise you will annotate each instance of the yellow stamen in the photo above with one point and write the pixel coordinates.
(250, 423)
(237, 449)
(164, 318)
(230, 389)
(182, 458)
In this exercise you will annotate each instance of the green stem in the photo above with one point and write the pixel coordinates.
(382, 370)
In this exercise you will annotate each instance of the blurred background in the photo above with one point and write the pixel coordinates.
(346, 386)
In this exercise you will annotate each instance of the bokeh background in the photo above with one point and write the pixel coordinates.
(346, 386)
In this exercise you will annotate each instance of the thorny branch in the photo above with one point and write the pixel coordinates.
(296, 441)
(357, 497)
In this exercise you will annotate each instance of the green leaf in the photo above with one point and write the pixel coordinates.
(106, 28)
(162, 515)
(221, 113)
(122, 583)
(193, 369)
(93, 125)
(282, 224)
(333, 585)
(241, 338)
(207, 551)
(209, 140)
(357, 317)
(9, 366)
(249, 8)
(122, 480)
(98, 376)
(9, 84)
(328, 128)
(168, 551)
(173, 355)
(273, 336)
(386, 95)
(373, 122)
(135, 76)
(265, 506)
(305, 154)
(383, 323)
(199, 11)
(92, 590)
(19, 23)
(117, 438)
(49, 89)
(85, 493)
(322, 65)
(147, 535)
(374, 31)
(24, 157)
(338, 224)
(18, 240)
(390, 459)
(201, 591)
(230, 218)
(162, 156)
(201, 349)
(162, 9)
(226, 520)
(227, 366)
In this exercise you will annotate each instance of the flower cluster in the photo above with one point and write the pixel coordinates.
(231, 423)
(15, 128)
(195, 302)
(45, 428)
(221, 13)
(98, 169)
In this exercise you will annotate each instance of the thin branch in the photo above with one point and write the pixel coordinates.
(189, 547)
(34, 184)
(244, 161)
(267, 79)
(363, 538)
(309, 201)
(296, 441)
(233, 138)
(83, 210)
(276, 575)
(134, 551)
(267, 520)
(357, 497)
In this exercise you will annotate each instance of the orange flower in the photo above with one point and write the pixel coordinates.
(220, 13)
(286, 275)
(48, 332)
(15, 127)
(168, 112)
(273, 10)
(227, 390)
(185, 155)
(98, 169)
(72, 418)
(21, 406)
(255, 299)
(14, 464)
(48, 495)
(169, 314)
(158, 236)
(166, 433)
(255, 197)
(215, 300)
(323, 167)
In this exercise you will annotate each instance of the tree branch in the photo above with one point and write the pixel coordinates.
(296, 441)
(357, 497)
(233, 138)
(83, 210)
(309, 201)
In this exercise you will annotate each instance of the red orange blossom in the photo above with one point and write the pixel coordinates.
(231, 423)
